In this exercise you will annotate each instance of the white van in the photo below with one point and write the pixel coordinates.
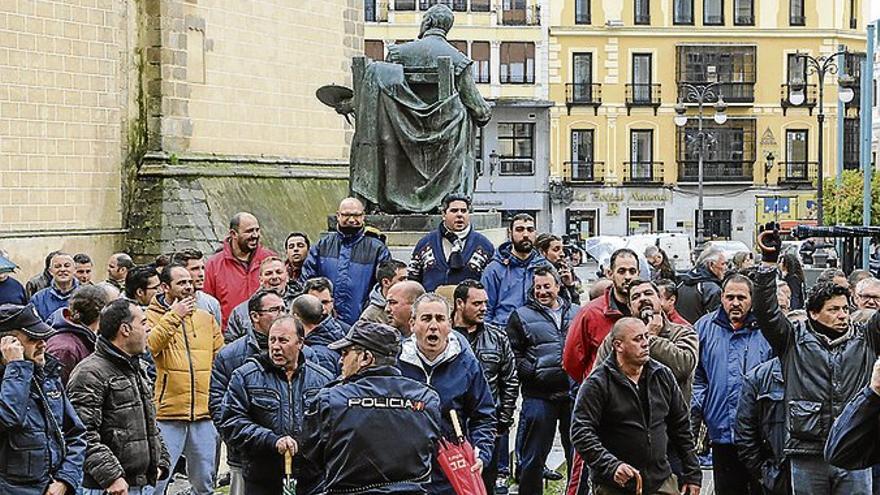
(678, 248)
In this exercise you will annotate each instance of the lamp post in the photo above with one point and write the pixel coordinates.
(824, 64)
(700, 94)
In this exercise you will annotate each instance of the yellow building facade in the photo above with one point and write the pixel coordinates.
(614, 70)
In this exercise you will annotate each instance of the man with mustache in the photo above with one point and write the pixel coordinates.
(629, 413)
(731, 345)
(233, 274)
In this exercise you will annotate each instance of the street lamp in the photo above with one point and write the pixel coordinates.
(820, 66)
(700, 94)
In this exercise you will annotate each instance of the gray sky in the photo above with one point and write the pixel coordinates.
(875, 9)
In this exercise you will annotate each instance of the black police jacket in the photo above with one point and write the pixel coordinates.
(492, 348)
(374, 432)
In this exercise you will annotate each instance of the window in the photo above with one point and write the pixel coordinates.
(744, 12)
(582, 166)
(460, 46)
(374, 49)
(582, 89)
(734, 67)
(853, 21)
(796, 13)
(645, 221)
(796, 154)
(713, 12)
(480, 5)
(480, 56)
(582, 224)
(642, 12)
(513, 13)
(370, 10)
(456, 5)
(851, 143)
(716, 224)
(518, 63)
(730, 158)
(797, 68)
(478, 150)
(641, 153)
(404, 4)
(516, 148)
(641, 78)
(683, 12)
(581, 11)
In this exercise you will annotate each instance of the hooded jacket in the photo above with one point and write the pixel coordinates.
(41, 436)
(327, 332)
(71, 342)
(51, 299)
(821, 375)
(184, 350)
(349, 262)
(375, 311)
(459, 381)
(231, 281)
(430, 267)
(610, 426)
(537, 341)
(112, 396)
(586, 333)
(508, 281)
(699, 292)
(726, 355)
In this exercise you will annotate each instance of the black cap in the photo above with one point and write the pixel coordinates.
(374, 337)
(24, 318)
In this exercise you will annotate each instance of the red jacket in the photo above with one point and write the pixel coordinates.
(675, 317)
(585, 335)
(227, 279)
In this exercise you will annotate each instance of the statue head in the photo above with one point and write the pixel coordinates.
(437, 17)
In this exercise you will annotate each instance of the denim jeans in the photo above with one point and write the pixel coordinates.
(811, 474)
(198, 442)
(538, 423)
(137, 490)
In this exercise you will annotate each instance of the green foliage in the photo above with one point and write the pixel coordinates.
(843, 203)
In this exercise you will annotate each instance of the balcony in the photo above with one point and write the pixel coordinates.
(375, 11)
(643, 172)
(797, 20)
(727, 171)
(809, 98)
(797, 173)
(733, 92)
(456, 5)
(642, 95)
(528, 16)
(583, 94)
(584, 172)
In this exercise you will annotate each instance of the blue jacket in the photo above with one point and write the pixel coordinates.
(327, 332)
(508, 281)
(37, 448)
(349, 262)
(430, 267)
(390, 421)
(50, 299)
(537, 341)
(725, 357)
(459, 381)
(260, 407)
(12, 292)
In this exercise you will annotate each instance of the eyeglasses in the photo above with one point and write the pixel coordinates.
(869, 297)
(274, 309)
(350, 215)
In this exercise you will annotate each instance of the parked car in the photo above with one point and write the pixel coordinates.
(730, 247)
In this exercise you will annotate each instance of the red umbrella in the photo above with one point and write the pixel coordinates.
(456, 458)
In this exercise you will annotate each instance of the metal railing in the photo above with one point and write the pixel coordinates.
(716, 171)
(809, 97)
(643, 172)
(517, 166)
(583, 94)
(798, 172)
(584, 172)
(643, 95)
(733, 92)
(797, 20)
(456, 5)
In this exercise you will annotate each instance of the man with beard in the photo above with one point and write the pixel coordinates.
(399, 303)
(452, 253)
(263, 307)
(142, 284)
(117, 269)
(389, 273)
(41, 437)
(629, 413)
(731, 345)
(184, 341)
(55, 297)
(263, 411)
(296, 247)
(349, 258)
(435, 354)
(194, 261)
(273, 276)
(233, 274)
(492, 348)
(537, 334)
(508, 278)
(317, 335)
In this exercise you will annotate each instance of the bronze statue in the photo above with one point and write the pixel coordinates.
(415, 117)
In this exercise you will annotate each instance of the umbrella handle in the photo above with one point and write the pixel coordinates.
(453, 415)
(288, 463)
(638, 484)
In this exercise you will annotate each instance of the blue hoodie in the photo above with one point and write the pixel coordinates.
(508, 281)
(327, 332)
(50, 299)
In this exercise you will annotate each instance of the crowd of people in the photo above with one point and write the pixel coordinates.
(350, 362)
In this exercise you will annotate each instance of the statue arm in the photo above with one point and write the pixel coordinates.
(477, 107)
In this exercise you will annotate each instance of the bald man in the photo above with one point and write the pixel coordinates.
(349, 258)
(233, 274)
(398, 304)
(319, 331)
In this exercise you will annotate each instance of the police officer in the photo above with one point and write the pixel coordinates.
(41, 437)
(390, 421)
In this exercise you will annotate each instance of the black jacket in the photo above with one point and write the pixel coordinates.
(112, 396)
(855, 436)
(699, 292)
(609, 426)
(821, 375)
(374, 432)
(760, 427)
(492, 348)
(537, 343)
